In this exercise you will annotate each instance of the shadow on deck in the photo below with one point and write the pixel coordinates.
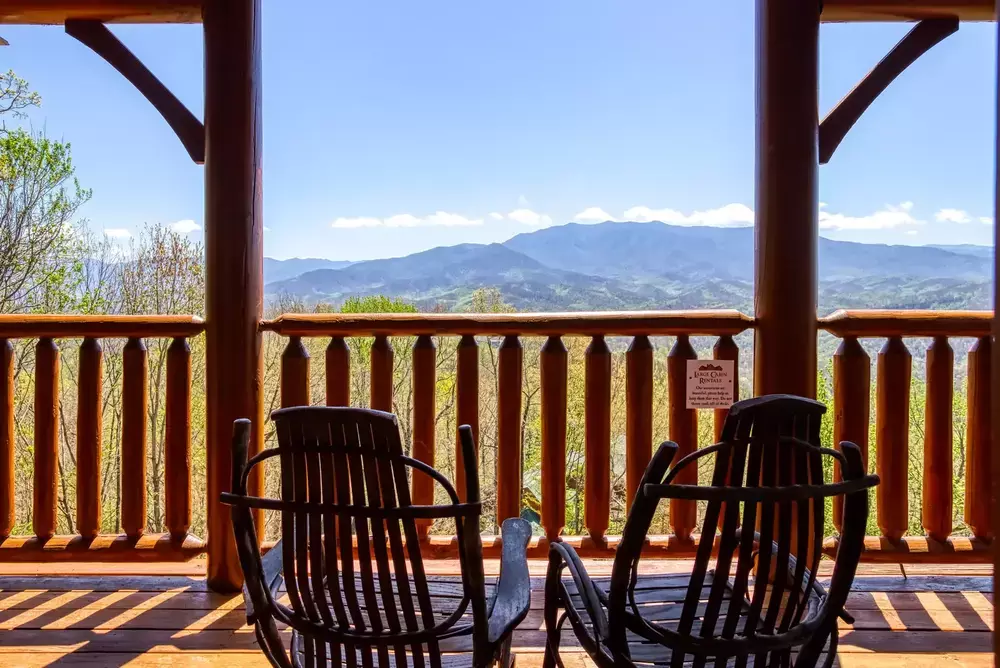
(104, 615)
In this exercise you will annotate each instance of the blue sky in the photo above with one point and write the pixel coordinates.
(392, 127)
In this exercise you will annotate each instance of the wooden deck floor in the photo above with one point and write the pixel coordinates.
(139, 615)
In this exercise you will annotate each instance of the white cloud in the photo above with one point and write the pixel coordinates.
(523, 201)
(496, 216)
(730, 215)
(117, 233)
(986, 220)
(888, 217)
(529, 217)
(911, 233)
(953, 216)
(185, 227)
(267, 229)
(437, 219)
(593, 214)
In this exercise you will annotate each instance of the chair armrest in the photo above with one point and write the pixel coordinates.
(271, 578)
(513, 591)
(592, 599)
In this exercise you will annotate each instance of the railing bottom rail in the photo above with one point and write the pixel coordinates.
(103, 548)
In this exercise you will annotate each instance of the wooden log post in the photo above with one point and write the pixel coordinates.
(892, 437)
(852, 378)
(638, 413)
(553, 371)
(234, 258)
(295, 381)
(467, 400)
(89, 429)
(683, 431)
(786, 229)
(178, 439)
(597, 447)
(936, 512)
(381, 374)
(424, 416)
(46, 480)
(510, 381)
(726, 349)
(979, 460)
(135, 400)
(7, 505)
(338, 372)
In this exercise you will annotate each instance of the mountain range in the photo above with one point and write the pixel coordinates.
(642, 266)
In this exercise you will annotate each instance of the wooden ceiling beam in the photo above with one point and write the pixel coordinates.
(57, 12)
(907, 10)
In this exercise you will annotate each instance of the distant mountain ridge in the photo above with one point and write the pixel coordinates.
(647, 265)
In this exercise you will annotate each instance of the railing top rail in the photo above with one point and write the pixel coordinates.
(17, 326)
(884, 322)
(634, 323)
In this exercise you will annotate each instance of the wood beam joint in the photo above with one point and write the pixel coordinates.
(96, 36)
(922, 38)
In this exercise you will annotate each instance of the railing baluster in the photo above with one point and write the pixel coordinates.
(7, 510)
(467, 400)
(338, 372)
(978, 440)
(135, 391)
(46, 438)
(638, 413)
(510, 372)
(381, 374)
(424, 414)
(684, 432)
(852, 377)
(892, 433)
(295, 374)
(597, 418)
(553, 363)
(937, 493)
(726, 349)
(89, 423)
(178, 438)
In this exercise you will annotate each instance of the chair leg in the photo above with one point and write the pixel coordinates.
(552, 600)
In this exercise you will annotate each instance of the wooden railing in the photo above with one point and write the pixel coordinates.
(597, 327)
(88, 544)
(852, 410)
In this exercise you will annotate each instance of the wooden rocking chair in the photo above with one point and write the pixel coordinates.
(769, 474)
(344, 487)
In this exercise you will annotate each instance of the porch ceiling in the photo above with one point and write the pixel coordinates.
(110, 11)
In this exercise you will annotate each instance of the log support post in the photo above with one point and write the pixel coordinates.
(234, 237)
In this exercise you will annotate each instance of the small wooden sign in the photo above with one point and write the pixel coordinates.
(710, 383)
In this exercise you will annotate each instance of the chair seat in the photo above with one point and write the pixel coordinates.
(455, 653)
(659, 600)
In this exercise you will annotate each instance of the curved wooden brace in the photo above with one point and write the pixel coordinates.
(103, 42)
(924, 36)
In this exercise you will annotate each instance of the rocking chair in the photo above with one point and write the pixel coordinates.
(767, 611)
(344, 488)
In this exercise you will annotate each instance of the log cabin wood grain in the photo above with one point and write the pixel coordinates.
(553, 369)
(177, 464)
(907, 10)
(338, 372)
(726, 349)
(381, 374)
(979, 460)
(597, 444)
(936, 512)
(135, 400)
(852, 371)
(892, 436)
(467, 400)
(510, 382)
(638, 413)
(909, 323)
(31, 326)
(295, 382)
(424, 422)
(45, 482)
(56, 12)
(7, 498)
(89, 430)
(683, 431)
